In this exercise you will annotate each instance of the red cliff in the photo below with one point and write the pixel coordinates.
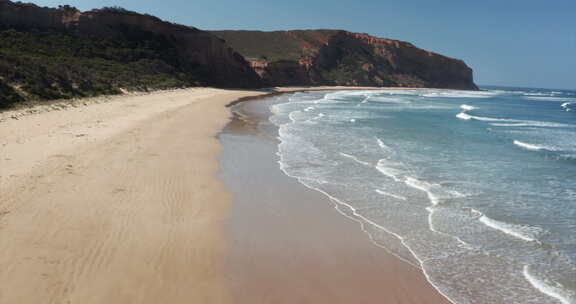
(332, 57)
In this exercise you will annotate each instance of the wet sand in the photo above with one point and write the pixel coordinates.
(288, 244)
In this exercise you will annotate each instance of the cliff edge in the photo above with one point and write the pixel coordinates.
(335, 57)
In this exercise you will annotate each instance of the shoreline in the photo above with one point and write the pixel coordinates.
(35, 107)
(118, 200)
(244, 139)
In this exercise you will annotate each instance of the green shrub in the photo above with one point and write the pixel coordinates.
(52, 65)
(8, 96)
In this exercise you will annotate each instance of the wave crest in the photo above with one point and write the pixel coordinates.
(569, 106)
(547, 288)
(533, 147)
(523, 232)
(466, 107)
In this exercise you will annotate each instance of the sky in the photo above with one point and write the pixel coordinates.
(529, 43)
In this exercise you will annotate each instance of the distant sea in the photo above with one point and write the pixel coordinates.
(478, 189)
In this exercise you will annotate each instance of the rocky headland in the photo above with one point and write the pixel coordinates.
(336, 57)
(62, 53)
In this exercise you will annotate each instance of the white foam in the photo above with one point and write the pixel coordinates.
(403, 92)
(343, 94)
(567, 106)
(533, 147)
(466, 116)
(461, 94)
(550, 98)
(352, 120)
(548, 288)
(291, 115)
(354, 158)
(382, 145)
(536, 94)
(309, 109)
(523, 232)
(527, 123)
(384, 99)
(389, 171)
(505, 122)
(390, 195)
(424, 186)
(466, 107)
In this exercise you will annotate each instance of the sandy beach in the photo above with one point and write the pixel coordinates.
(119, 201)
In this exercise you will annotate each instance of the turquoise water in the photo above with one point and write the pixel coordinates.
(476, 188)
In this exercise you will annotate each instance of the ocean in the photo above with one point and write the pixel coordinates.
(478, 189)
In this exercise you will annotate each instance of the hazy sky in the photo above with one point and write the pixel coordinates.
(507, 42)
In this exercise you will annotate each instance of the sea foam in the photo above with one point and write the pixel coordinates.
(549, 289)
(354, 158)
(381, 192)
(383, 146)
(466, 107)
(528, 124)
(533, 147)
(568, 106)
(461, 94)
(428, 188)
(388, 170)
(505, 122)
(550, 98)
(466, 116)
(523, 232)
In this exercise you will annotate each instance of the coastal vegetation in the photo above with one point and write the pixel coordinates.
(275, 46)
(49, 64)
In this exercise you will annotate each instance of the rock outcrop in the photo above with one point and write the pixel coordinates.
(333, 57)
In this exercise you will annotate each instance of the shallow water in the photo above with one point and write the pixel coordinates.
(479, 187)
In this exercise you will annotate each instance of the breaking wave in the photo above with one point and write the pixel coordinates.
(406, 180)
(354, 158)
(548, 288)
(505, 122)
(550, 98)
(533, 147)
(461, 94)
(523, 232)
(466, 107)
(466, 116)
(569, 106)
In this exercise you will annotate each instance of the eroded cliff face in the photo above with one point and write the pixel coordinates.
(223, 65)
(328, 57)
(206, 54)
